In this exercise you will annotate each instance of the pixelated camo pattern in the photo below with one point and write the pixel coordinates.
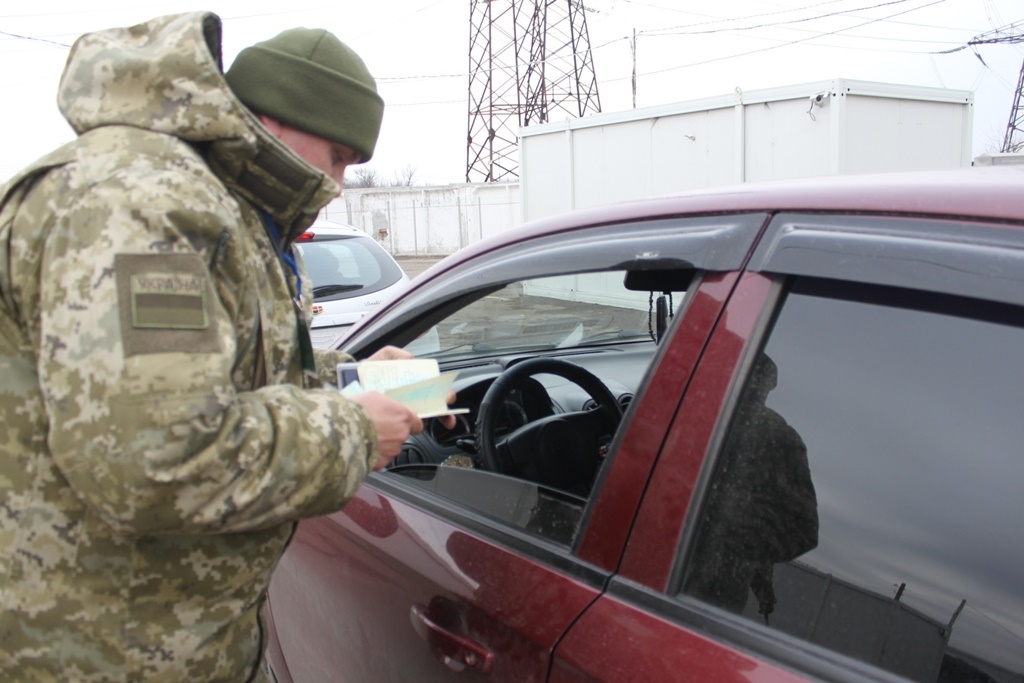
(147, 488)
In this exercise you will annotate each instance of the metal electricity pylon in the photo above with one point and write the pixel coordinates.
(528, 60)
(1013, 141)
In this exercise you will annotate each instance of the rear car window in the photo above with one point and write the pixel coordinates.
(343, 267)
(868, 494)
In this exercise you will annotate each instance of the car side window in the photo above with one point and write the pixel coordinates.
(549, 312)
(867, 495)
(531, 461)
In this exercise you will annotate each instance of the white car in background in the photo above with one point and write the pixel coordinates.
(352, 275)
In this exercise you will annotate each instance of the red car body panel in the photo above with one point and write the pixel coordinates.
(617, 502)
(615, 641)
(404, 567)
(653, 545)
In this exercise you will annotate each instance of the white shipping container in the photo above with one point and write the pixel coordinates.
(825, 128)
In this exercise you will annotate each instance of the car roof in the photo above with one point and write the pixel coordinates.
(326, 227)
(995, 193)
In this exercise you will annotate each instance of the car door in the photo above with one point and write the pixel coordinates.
(850, 512)
(409, 582)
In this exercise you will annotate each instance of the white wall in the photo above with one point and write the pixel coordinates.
(428, 221)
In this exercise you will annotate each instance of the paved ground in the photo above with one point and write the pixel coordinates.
(415, 266)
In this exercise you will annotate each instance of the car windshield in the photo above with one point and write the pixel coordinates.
(344, 267)
(547, 313)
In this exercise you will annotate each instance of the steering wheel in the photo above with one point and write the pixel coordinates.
(562, 450)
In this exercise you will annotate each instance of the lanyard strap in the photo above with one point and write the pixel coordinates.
(302, 329)
(287, 256)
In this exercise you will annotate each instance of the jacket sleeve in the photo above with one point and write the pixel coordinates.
(326, 359)
(327, 365)
(137, 346)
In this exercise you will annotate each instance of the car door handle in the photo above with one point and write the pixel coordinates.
(454, 651)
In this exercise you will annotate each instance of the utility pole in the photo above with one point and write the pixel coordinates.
(528, 60)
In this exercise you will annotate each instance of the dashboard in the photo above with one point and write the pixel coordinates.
(620, 368)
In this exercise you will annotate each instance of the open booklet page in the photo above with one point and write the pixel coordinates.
(415, 383)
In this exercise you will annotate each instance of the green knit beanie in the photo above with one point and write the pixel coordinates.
(309, 79)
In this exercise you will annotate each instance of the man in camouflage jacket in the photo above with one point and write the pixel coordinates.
(161, 429)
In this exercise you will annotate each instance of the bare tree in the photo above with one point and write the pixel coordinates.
(364, 176)
(405, 177)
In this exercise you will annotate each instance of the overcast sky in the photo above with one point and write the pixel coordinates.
(419, 52)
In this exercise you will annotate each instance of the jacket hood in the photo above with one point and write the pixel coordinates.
(166, 76)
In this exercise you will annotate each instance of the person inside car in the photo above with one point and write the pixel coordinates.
(762, 509)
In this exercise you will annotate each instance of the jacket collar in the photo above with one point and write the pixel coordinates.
(176, 60)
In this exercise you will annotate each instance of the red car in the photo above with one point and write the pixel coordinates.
(761, 433)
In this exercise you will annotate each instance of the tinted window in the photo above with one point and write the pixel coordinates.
(868, 498)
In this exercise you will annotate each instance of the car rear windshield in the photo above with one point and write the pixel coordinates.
(345, 267)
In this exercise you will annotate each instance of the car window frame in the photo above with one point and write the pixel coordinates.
(720, 242)
(947, 256)
(858, 249)
(793, 245)
(740, 631)
(715, 243)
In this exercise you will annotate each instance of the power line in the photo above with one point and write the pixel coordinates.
(817, 35)
(751, 16)
(719, 20)
(672, 30)
(783, 43)
(846, 35)
(792, 42)
(422, 77)
(655, 33)
(34, 39)
(1012, 33)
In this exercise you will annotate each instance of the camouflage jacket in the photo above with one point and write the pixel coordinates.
(159, 438)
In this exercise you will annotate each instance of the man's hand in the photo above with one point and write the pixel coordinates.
(448, 420)
(395, 353)
(393, 422)
(391, 353)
